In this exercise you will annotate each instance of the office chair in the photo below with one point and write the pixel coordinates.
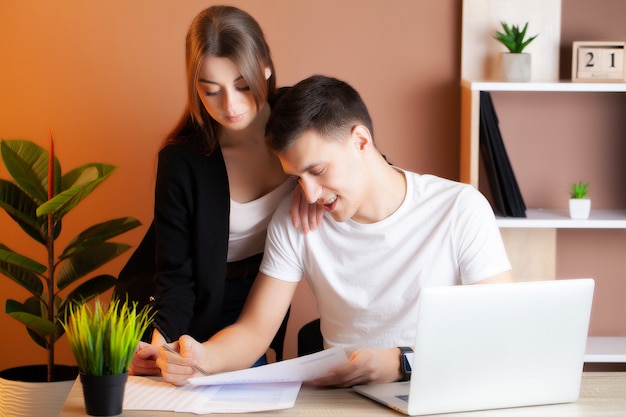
(310, 338)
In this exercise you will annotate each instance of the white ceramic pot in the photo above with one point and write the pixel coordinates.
(28, 399)
(515, 67)
(579, 208)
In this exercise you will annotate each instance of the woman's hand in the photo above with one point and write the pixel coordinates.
(144, 360)
(365, 367)
(304, 215)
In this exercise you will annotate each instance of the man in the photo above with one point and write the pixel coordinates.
(386, 234)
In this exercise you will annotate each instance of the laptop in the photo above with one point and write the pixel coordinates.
(490, 346)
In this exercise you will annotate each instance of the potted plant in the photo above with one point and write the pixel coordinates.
(103, 340)
(38, 198)
(514, 65)
(579, 204)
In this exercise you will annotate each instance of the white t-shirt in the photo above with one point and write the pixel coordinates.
(367, 277)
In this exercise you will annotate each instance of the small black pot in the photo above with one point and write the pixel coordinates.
(104, 394)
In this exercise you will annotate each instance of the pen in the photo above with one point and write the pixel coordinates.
(196, 367)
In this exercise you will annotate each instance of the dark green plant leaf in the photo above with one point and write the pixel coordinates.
(21, 208)
(33, 320)
(525, 44)
(87, 260)
(36, 307)
(88, 290)
(27, 163)
(22, 270)
(77, 184)
(99, 233)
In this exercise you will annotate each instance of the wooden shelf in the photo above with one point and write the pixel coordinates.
(605, 350)
(559, 219)
(564, 86)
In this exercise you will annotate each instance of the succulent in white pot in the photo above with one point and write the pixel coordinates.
(579, 204)
(515, 65)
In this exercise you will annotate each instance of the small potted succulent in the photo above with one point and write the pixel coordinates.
(515, 64)
(103, 339)
(579, 204)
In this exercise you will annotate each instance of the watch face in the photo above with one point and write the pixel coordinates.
(407, 361)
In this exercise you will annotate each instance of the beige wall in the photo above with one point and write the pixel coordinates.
(107, 77)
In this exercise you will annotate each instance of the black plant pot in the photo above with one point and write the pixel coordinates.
(104, 394)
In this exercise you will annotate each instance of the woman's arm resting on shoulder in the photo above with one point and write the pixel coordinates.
(304, 215)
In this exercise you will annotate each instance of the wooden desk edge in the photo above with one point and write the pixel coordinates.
(602, 394)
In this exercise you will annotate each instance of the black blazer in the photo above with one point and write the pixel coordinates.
(180, 265)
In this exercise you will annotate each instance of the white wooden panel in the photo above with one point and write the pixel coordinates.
(480, 52)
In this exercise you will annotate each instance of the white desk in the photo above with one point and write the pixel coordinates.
(603, 394)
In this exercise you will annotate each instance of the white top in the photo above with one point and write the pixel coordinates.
(248, 222)
(367, 277)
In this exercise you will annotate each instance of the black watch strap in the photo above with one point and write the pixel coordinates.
(405, 364)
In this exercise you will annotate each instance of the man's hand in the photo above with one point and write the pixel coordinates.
(365, 367)
(177, 368)
(304, 215)
(144, 360)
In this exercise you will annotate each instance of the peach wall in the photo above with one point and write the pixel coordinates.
(107, 77)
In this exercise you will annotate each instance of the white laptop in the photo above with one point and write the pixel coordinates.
(489, 346)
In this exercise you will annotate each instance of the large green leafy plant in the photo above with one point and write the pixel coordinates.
(38, 198)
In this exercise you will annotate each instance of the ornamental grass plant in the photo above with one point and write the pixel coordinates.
(103, 337)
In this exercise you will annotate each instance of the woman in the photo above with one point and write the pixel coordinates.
(216, 188)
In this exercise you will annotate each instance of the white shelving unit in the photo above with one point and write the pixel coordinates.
(534, 237)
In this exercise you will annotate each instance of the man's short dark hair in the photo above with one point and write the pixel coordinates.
(328, 106)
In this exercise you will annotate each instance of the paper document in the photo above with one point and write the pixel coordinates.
(146, 393)
(268, 387)
(305, 368)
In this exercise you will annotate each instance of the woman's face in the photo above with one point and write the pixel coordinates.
(225, 93)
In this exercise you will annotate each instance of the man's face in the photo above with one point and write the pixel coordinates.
(329, 171)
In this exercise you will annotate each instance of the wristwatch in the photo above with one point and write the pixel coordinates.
(406, 358)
